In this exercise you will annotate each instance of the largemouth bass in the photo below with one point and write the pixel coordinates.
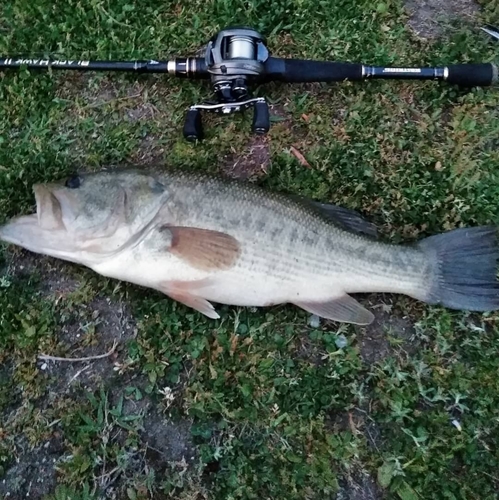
(201, 239)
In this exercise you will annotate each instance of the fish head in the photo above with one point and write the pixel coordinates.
(88, 214)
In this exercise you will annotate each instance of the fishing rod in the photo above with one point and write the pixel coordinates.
(236, 58)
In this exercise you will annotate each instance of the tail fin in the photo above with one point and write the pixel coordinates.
(466, 264)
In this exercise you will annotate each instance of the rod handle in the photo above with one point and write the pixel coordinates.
(472, 75)
(302, 70)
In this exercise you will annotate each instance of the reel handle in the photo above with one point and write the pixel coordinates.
(193, 126)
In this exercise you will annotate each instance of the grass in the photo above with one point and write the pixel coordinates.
(258, 404)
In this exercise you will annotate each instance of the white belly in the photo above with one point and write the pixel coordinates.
(149, 272)
(260, 291)
(231, 287)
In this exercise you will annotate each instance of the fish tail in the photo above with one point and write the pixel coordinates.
(465, 268)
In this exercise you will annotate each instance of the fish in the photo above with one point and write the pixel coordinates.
(202, 239)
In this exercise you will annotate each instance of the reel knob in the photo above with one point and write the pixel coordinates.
(193, 126)
(261, 118)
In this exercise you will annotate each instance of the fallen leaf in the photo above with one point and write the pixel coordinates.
(234, 339)
(385, 474)
(353, 428)
(300, 157)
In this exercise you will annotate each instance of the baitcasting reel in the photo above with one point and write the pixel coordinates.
(234, 58)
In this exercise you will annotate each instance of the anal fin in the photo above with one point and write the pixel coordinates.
(182, 292)
(196, 303)
(344, 309)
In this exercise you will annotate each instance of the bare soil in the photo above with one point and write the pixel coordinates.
(374, 340)
(250, 163)
(360, 486)
(429, 17)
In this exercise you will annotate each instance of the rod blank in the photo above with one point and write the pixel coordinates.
(131, 66)
(284, 70)
(191, 67)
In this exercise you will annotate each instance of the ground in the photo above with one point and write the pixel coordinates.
(108, 390)
(428, 18)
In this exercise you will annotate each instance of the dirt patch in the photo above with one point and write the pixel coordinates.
(428, 17)
(9, 393)
(165, 449)
(57, 280)
(98, 91)
(166, 441)
(359, 486)
(149, 152)
(250, 163)
(88, 326)
(309, 351)
(133, 102)
(95, 89)
(280, 113)
(356, 483)
(91, 330)
(33, 474)
(387, 333)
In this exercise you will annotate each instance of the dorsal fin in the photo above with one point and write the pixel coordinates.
(346, 218)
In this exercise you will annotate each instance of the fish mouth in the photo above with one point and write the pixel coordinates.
(43, 231)
(48, 208)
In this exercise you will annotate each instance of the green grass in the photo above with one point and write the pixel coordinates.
(274, 408)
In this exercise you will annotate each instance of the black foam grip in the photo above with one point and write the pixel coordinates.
(471, 75)
(301, 71)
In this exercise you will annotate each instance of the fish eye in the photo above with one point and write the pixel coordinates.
(73, 182)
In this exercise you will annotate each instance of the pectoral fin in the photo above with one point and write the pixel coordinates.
(344, 309)
(202, 248)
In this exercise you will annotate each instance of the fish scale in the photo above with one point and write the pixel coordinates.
(323, 252)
